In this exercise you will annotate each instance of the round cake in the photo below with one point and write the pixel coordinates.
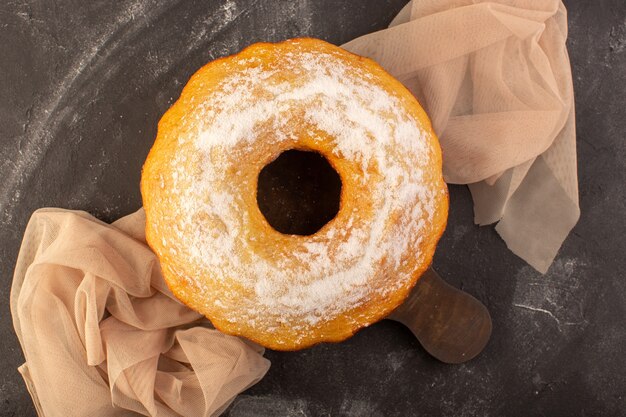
(218, 253)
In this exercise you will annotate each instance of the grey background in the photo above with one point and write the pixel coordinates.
(82, 86)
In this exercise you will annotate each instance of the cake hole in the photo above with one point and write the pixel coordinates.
(299, 192)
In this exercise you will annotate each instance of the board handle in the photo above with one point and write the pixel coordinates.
(449, 323)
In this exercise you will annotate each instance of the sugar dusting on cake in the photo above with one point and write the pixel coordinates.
(338, 268)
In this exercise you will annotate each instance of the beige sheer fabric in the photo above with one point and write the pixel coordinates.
(102, 334)
(495, 79)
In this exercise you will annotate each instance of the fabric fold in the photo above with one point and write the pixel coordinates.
(495, 79)
(97, 323)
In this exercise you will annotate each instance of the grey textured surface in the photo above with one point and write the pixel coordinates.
(82, 87)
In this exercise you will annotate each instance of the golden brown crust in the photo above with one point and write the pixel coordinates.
(159, 221)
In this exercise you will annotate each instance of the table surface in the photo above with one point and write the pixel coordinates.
(82, 87)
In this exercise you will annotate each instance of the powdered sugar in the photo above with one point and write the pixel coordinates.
(360, 253)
